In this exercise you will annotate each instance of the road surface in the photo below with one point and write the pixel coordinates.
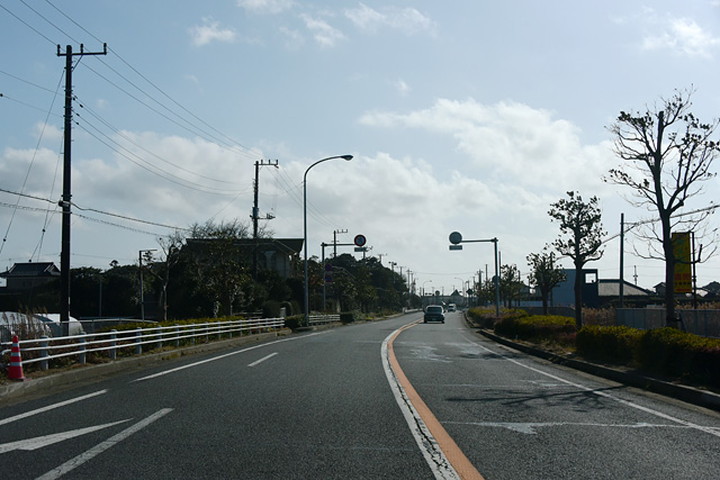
(373, 400)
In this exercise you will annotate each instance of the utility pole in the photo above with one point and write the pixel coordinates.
(621, 283)
(256, 209)
(335, 233)
(67, 192)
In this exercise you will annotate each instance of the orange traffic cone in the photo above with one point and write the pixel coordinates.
(15, 372)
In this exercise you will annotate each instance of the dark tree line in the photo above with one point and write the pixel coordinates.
(207, 275)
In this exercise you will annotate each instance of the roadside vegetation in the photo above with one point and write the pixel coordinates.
(667, 353)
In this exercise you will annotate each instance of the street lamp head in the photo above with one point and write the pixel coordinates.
(346, 157)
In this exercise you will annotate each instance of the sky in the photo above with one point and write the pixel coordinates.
(463, 116)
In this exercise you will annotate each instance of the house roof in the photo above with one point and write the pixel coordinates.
(611, 288)
(32, 269)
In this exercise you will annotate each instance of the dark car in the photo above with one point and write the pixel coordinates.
(434, 313)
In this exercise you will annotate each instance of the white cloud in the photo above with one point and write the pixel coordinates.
(407, 20)
(509, 140)
(210, 31)
(683, 36)
(266, 6)
(325, 34)
(293, 38)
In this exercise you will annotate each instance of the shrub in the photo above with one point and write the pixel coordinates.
(485, 317)
(671, 352)
(535, 327)
(599, 316)
(294, 321)
(349, 317)
(616, 344)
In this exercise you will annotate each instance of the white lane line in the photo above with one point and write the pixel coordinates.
(219, 357)
(50, 407)
(258, 362)
(39, 442)
(710, 430)
(532, 427)
(101, 447)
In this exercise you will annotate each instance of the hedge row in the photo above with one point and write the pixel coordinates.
(535, 327)
(663, 351)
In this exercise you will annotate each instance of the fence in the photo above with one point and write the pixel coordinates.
(700, 322)
(43, 350)
(323, 319)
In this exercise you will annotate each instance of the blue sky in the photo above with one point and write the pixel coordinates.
(464, 115)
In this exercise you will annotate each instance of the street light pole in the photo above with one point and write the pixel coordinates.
(307, 294)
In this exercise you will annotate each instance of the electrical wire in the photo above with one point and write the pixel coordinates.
(131, 141)
(48, 21)
(28, 25)
(151, 83)
(138, 161)
(32, 162)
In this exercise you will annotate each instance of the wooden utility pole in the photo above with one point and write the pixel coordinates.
(256, 210)
(67, 193)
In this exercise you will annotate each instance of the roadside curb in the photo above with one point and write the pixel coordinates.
(685, 393)
(91, 373)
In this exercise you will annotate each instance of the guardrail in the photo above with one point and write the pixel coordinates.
(43, 350)
(323, 319)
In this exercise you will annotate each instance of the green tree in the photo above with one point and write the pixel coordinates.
(510, 284)
(220, 270)
(544, 274)
(580, 237)
(667, 153)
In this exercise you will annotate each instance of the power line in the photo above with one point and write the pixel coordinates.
(125, 217)
(28, 25)
(27, 82)
(129, 140)
(48, 21)
(148, 166)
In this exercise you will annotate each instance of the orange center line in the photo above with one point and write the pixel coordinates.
(465, 469)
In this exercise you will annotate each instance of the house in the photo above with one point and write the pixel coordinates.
(611, 289)
(563, 295)
(274, 254)
(27, 276)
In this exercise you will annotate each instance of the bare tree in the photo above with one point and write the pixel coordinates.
(544, 274)
(171, 246)
(667, 153)
(580, 237)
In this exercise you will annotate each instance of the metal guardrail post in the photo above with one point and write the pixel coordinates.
(44, 352)
(113, 342)
(138, 345)
(177, 335)
(82, 356)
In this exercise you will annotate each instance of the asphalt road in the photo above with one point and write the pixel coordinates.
(323, 405)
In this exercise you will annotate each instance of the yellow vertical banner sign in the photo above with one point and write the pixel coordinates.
(683, 263)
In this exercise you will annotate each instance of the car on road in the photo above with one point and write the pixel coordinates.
(434, 313)
(452, 307)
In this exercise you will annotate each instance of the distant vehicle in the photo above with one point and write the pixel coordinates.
(434, 313)
(452, 307)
